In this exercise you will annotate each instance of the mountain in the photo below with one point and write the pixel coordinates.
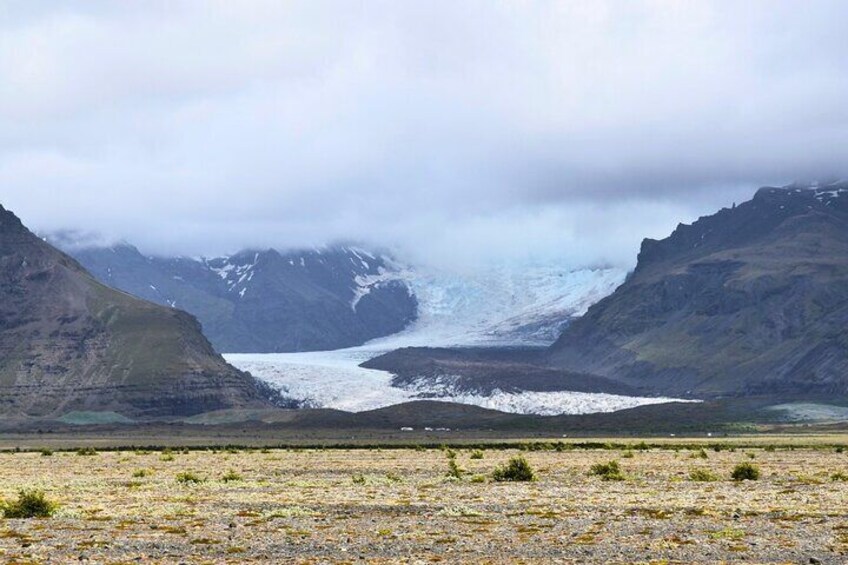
(336, 297)
(70, 343)
(752, 300)
(267, 301)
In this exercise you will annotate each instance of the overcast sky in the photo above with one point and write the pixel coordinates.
(453, 131)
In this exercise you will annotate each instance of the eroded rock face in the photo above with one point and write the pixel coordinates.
(67, 342)
(750, 300)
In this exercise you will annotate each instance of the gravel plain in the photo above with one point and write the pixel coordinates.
(399, 506)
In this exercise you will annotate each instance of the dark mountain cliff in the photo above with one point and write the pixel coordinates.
(68, 342)
(751, 300)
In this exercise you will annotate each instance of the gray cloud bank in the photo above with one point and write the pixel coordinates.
(453, 131)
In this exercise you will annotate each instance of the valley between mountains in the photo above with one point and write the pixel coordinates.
(748, 303)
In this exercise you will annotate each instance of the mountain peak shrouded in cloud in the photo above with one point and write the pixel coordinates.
(459, 132)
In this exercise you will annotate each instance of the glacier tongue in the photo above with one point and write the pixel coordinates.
(499, 306)
(333, 379)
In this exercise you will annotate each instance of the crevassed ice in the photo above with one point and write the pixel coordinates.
(333, 379)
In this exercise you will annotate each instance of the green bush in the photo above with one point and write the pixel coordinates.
(700, 454)
(609, 471)
(30, 504)
(188, 477)
(702, 475)
(141, 473)
(517, 469)
(46, 452)
(231, 476)
(86, 451)
(477, 454)
(839, 476)
(745, 472)
(454, 470)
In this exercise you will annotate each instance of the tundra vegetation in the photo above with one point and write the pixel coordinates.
(239, 505)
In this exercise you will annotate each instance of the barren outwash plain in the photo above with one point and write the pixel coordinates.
(398, 505)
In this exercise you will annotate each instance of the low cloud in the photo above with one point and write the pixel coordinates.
(455, 132)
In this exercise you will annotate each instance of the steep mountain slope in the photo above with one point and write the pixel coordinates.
(268, 301)
(750, 300)
(67, 342)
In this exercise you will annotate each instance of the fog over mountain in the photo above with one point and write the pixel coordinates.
(455, 132)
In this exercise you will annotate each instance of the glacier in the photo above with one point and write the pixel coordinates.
(505, 305)
(334, 379)
(499, 306)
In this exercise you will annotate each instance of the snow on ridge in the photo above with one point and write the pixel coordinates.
(368, 282)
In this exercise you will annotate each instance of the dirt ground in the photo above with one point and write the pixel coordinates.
(398, 505)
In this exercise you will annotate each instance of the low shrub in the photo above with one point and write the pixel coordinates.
(700, 454)
(189, 478)
(86, 451)
(517, 469)
(231, 476)
(477, 454)
(46, 452)
(745, 472)
(609, 471)
(454, 470)
(30, 504)
(702, 475)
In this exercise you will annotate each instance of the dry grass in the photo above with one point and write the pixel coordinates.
(302, 506)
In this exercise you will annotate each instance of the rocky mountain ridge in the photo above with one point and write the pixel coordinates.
(750, 300)
(70, 343)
